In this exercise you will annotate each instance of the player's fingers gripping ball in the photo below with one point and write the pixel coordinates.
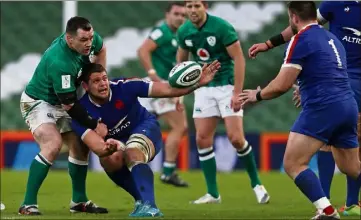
(185, 74)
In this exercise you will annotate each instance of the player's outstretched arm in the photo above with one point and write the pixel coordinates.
(280, 85)
(163, 89)
(274, 41)
(145, 56)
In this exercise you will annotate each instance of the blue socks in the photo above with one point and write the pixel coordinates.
(326, 169)
(124, 179)
(353, 190)
(144, 181)
(309, 184)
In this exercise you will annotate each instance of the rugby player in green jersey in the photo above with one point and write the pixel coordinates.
(48, 104)
(210, 38)
(158, 56)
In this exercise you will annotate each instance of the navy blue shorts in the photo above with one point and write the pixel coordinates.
(334, 124)
(356, 88)
(150, 128)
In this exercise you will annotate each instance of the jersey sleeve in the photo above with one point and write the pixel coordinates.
(157, 36)
(62, 77)
(97, 43)
(136, 87)
(79, 130)
(325, 11)
(228, 34)
(296, 52)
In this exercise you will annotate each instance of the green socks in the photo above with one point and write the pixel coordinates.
(168, 168)
(209, 167)
(39, 169)
(78, 171)
(247, 156)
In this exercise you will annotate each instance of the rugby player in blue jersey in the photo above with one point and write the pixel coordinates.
(317, 60)
(134, 135)
(344, 18)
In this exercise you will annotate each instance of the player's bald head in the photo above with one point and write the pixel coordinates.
(305, 10)
(76, 23)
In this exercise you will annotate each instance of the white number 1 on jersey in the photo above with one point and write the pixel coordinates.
(332, 43)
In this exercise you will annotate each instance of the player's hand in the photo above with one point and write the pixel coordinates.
(118, 145)
(101, 129)
(248, 96)
(296, 96)
(256, 48)
(208, 72)
(235, 102)
(179, 103)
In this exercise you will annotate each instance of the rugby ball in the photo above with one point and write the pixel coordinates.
(185, 74)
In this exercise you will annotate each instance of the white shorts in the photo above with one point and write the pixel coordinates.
(214, 101)
(158, 106)
(38, 112)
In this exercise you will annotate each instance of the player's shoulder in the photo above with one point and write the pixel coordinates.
(212, 19)
(159, 31)
(185, 28)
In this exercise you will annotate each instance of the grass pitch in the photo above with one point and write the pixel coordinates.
(238, 200)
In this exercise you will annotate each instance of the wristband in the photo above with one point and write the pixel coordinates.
(277, 40)
(258, 96)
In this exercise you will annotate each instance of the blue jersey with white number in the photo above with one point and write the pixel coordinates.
(322, 60)
(345, 23)
(123, 113)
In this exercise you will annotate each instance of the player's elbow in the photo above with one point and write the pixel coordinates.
(141, 52)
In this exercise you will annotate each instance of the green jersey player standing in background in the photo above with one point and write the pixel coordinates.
(158, 56)
(210, 38)
(47, 106)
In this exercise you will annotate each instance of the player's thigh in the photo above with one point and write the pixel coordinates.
(205, 129)
(223, 96)
(299, 151)
(145, 142)
(176, 120)
(77, 149)
(205, 103)
(347, 160)
(234, 127)
(39, 116)
(356, 88)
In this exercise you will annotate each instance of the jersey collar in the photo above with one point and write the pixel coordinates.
(311, 24)
(96, 104)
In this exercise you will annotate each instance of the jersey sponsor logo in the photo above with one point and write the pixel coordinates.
(203, 54)
(211, 40)
(65, 81)
(350, 39)
(120, 126)
(188, 43)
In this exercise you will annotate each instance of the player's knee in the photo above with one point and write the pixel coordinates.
(236, 140)
(292, 167)
(50, 142)
(204, 141)
(139, 149)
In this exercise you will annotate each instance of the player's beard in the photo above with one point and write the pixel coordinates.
(294, 28)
